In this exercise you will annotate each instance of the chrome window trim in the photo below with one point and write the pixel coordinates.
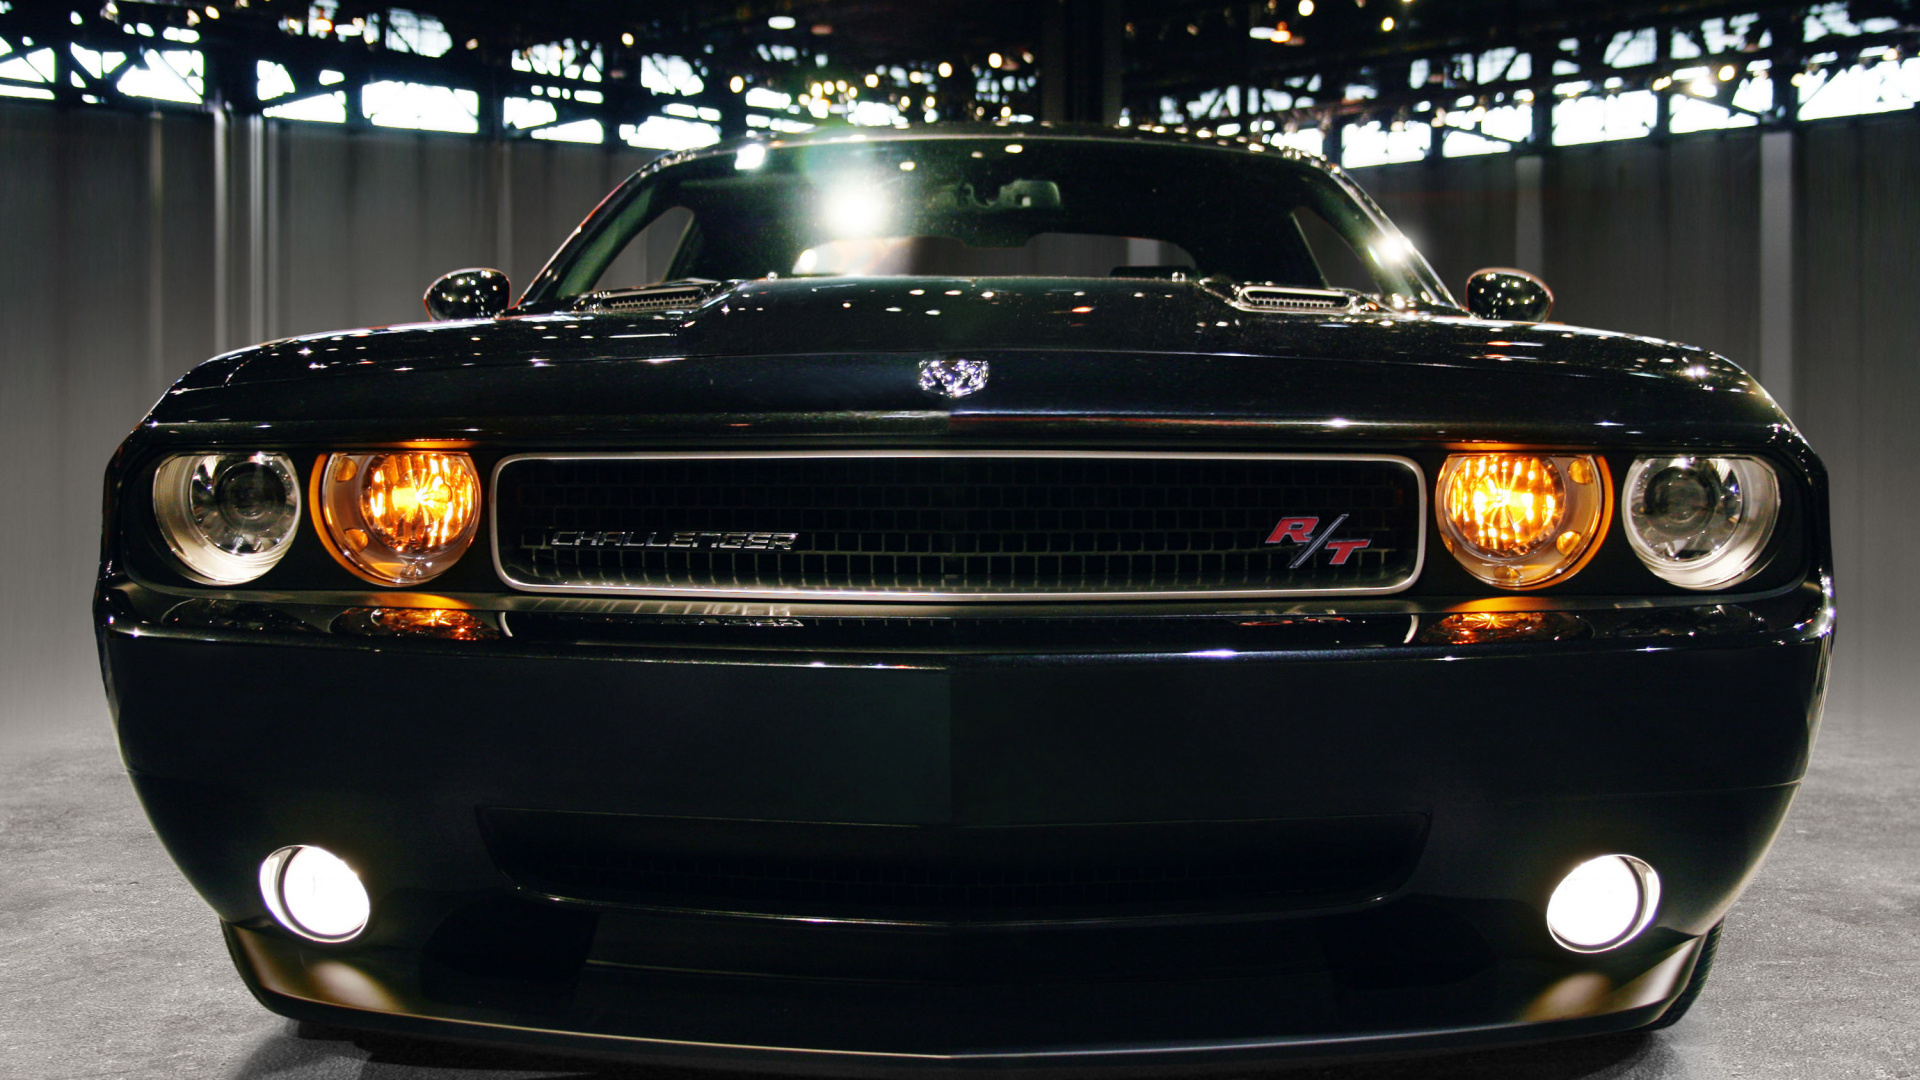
(499, 568)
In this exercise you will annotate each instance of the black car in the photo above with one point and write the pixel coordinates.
(1004, 597)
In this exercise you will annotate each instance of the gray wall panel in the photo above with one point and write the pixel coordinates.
(1858, 384)
(1459, 213)
(104, 302)
(1658, 239)
(367, 219)
(77, 368)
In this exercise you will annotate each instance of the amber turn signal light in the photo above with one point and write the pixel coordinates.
(1494, 627)
(446, 624)
(1521, 521)
(398, 517)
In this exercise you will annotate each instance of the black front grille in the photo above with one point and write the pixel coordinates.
(955, 524)
(946, 872)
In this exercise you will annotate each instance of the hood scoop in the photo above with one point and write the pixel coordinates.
(1289, 298)
(668, 296)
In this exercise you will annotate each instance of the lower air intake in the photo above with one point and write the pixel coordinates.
(953, 873)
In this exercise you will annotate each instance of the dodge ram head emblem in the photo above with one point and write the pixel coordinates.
(1300, 530)
(953, 378)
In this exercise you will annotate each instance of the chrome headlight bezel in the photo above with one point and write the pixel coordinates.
(1739, 512)
(228, 517)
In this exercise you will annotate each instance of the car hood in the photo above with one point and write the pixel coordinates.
(846, 354)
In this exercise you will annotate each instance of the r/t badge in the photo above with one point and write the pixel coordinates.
(1300, 530)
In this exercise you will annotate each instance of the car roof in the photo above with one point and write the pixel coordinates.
(1149, 134)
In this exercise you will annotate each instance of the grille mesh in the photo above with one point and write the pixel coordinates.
(951, 524)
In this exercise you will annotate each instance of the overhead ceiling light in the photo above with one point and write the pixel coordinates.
(781, 22)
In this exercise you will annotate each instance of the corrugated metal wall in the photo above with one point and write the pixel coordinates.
(1858, 395)
(115, 241)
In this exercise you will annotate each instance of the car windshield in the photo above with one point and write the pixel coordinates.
(991, 207)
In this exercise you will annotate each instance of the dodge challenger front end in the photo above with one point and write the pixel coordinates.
(1008, 598)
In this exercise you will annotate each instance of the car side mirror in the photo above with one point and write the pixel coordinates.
(469, 294)
(1508, 295)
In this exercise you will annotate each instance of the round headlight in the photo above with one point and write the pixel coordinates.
(1701, 522)
(399, 517)
(227, 517)
(1520, 520)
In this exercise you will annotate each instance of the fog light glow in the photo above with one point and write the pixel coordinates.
(311, 892)
(1604, 903)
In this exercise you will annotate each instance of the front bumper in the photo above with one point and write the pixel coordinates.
(1512, 762)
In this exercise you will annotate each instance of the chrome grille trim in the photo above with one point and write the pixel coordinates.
(1418, 475)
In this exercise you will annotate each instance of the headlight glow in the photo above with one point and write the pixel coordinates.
(228, 517)
(1521, 520)
(1701, 522)
(399, 517)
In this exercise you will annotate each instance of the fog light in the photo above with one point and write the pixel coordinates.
(1603, 904)
(312, 893)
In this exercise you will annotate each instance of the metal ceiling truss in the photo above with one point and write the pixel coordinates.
(1492, 69)
(81, 55)
(1600, 54)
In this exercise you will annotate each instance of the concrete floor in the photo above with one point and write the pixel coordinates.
(111, 967)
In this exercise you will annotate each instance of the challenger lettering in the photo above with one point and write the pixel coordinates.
(697, 541)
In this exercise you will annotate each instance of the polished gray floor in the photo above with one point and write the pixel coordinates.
(111, 967)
